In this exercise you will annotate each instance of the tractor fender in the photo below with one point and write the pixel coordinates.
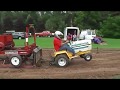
(62, 52)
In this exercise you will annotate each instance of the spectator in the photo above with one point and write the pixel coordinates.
(99, 40)
(96, 40)
(74, 37)
(69, 37)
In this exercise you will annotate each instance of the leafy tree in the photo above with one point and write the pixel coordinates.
(7, 21)
(111, 27)
(19, 24)
(106, 22)
(55, 22)
(29, 20)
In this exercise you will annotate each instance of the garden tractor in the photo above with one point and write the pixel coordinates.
(17, 55)
(63, 58)
(82, 49)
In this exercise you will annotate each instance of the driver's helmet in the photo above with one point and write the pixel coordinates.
(58, 34)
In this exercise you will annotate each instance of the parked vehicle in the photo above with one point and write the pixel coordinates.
(38, 34)
(43, 34)
(18, 35)
(72, 31)
(87, 34)
(83, 34)
(29, 34)
(10, 31)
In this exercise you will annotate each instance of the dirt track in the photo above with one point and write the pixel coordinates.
(104, 65)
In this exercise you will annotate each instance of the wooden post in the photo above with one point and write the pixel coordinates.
(97, 50)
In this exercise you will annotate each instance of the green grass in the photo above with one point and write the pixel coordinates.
(111, 43)
(116, 77)
(45, 42)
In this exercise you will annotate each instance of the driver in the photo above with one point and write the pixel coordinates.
(60, 44)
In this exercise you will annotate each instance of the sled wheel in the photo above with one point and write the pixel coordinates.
(15, 60)
(61, 60)
(88, 57)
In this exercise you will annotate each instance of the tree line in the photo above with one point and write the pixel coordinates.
(107, 23)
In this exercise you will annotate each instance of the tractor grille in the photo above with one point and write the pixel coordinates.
(37, 55)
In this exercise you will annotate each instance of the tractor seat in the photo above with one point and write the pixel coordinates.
(59, 50)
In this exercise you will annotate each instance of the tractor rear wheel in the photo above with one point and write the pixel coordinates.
(61, 60)
(15, 60)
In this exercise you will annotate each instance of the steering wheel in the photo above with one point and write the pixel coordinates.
(69, 43)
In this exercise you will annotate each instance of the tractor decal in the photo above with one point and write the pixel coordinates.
(11, 52)
(79, 47)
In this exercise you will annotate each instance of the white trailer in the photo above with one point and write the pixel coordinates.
(83, 34)
(84, 44)
(71, 30)
(87, 34)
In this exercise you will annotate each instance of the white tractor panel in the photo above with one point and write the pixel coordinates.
(82, 45)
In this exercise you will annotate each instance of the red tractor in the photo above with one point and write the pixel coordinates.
(17, 55)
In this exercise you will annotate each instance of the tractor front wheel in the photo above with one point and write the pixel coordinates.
(15, 60)
(61, 60)
(87, 57)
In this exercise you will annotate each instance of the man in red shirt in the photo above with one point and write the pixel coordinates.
(57, 43)
(60, 44)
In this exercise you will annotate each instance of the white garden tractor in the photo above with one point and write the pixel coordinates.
(82, 49)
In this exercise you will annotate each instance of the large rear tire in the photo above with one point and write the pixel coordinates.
(61, 60)
(15, 60)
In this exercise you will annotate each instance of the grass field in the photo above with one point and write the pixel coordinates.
(45, 42)
(112, 43)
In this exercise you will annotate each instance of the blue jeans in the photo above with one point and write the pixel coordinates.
(68, 48)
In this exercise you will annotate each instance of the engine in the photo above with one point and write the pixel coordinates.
(81, 45)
